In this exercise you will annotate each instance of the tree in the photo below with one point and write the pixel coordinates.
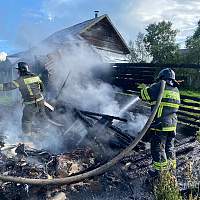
(193, 46)
(138, 52)
(160, 42)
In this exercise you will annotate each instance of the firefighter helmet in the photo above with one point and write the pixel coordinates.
(166, 74)
(23, 67)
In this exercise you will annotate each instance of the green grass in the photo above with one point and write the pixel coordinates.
(167, 188)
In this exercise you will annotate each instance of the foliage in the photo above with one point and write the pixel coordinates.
(160, 43)
(167, 187)
(138, 52)
(193, 46)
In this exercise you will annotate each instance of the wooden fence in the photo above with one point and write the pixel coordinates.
(189, 111)
(127, 75)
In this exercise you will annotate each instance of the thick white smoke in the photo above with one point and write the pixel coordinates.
(82, 90)
(136, 123)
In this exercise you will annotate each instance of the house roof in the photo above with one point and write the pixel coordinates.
(67, 33)
(74, 32)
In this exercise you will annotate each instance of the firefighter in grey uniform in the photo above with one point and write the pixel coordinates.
(163, 129)
(31, 88)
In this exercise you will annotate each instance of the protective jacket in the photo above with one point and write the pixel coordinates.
(166, 118)
(30, 86)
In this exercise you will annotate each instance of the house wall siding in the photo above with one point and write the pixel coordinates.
(102, 34)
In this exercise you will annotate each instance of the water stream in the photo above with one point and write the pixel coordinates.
(128, 105)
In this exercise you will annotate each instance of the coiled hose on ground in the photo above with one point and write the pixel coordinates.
(100, 170)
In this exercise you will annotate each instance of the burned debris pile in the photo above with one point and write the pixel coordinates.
(103, 139)
(126, 180)
(23, 161)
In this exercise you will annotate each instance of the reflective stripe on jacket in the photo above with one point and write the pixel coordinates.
(29, 85)
(166, 119)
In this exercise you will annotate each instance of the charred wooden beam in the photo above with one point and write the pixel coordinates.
(109, 117)
(83, 118)
(123, 138)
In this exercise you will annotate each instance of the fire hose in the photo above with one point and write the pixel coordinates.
(99, 170)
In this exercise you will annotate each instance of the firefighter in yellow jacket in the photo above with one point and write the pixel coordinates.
(163, 129)
(31, 88)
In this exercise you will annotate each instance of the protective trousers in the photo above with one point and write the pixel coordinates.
(162, 149)
(29, 113)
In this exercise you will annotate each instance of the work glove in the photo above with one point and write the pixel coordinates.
(141, 86)
(3, 56)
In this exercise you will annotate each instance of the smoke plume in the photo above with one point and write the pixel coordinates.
(82, 90)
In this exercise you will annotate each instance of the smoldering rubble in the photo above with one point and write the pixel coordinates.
(103, 139)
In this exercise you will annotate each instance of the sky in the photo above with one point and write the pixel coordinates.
(24, 23)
